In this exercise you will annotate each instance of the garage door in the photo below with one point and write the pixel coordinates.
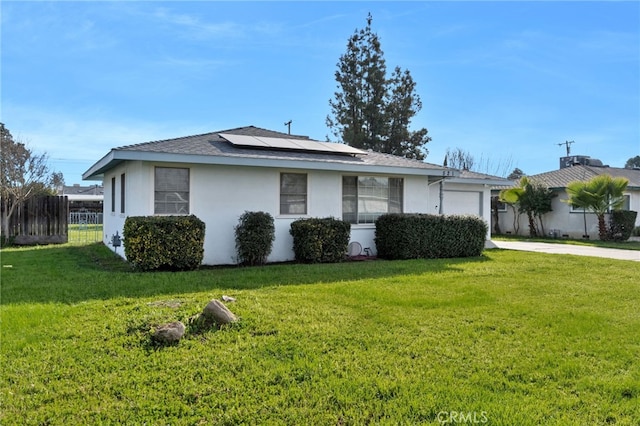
(462, 202)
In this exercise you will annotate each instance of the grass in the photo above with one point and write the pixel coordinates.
(509, 337)
(87, 233)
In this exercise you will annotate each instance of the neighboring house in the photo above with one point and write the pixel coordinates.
(84, 198)
(218, 176)
(564, 220)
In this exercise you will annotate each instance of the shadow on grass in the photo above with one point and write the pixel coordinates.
(76, 273)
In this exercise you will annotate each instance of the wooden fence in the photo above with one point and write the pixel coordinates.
(40, 220)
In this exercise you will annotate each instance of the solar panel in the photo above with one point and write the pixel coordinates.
(290, 144)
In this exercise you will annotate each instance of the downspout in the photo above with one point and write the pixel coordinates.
(440, 206)
(444, 172)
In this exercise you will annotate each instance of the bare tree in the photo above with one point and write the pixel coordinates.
(458, 158)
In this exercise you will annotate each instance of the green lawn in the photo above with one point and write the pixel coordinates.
(510, 338)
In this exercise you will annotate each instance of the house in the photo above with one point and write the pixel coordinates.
(468, 193)
(565, 220)
(84, 198)
(85, 203)
(218, 176)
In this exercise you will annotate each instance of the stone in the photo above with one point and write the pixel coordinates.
(217, 312)
(169, 333)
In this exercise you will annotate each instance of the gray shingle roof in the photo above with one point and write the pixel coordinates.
(468, 176)
(558, 179)
(212, 144)
(561, 178)
(83, 190)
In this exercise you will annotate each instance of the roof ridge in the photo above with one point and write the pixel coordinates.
(166, 140)
(234, 130)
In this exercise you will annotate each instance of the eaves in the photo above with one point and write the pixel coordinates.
(115, 157)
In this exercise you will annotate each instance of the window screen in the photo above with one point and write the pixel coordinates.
(293, 193)
(171, 194)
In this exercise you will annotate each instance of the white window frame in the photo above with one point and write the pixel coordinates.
(294, 199)
(371, 197)
(502, 206)
(626, 205)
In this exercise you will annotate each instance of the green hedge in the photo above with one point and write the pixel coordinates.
(416, 236)
(173, 243)
(255, 233)
(320, 240)
(621, 224)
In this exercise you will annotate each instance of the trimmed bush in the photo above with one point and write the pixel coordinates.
(255, 233)
(621, 224)
(320, 240)
(174, 243)
(417, 236)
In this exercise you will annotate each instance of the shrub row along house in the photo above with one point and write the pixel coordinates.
(565, 220)
(220, 175)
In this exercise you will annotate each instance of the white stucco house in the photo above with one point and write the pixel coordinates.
(218, 176)
(468, 193)
(565, 220)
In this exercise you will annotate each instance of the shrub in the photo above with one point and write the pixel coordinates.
(320, 240)
(414, 236)
(621, 223)
(255, 233)
(164, 242)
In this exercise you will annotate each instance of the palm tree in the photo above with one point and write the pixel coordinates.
(599, 195)
(530, 197)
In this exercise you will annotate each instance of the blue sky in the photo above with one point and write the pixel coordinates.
(505, 81)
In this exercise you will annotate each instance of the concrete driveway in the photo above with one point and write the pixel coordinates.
(569, 249)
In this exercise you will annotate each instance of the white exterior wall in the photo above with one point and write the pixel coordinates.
(137, 194)
(220, 194)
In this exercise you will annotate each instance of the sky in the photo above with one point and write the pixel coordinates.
(507, 82)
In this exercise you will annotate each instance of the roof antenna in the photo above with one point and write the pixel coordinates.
(568, 145)
(288, 124)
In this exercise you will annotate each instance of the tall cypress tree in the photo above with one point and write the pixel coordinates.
(371, 111)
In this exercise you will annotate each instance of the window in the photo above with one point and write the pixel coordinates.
(171, 195)
(293, 193)
(113, 195)
(365, 198)
(575, 209)
(122, 193)
(626, 205)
